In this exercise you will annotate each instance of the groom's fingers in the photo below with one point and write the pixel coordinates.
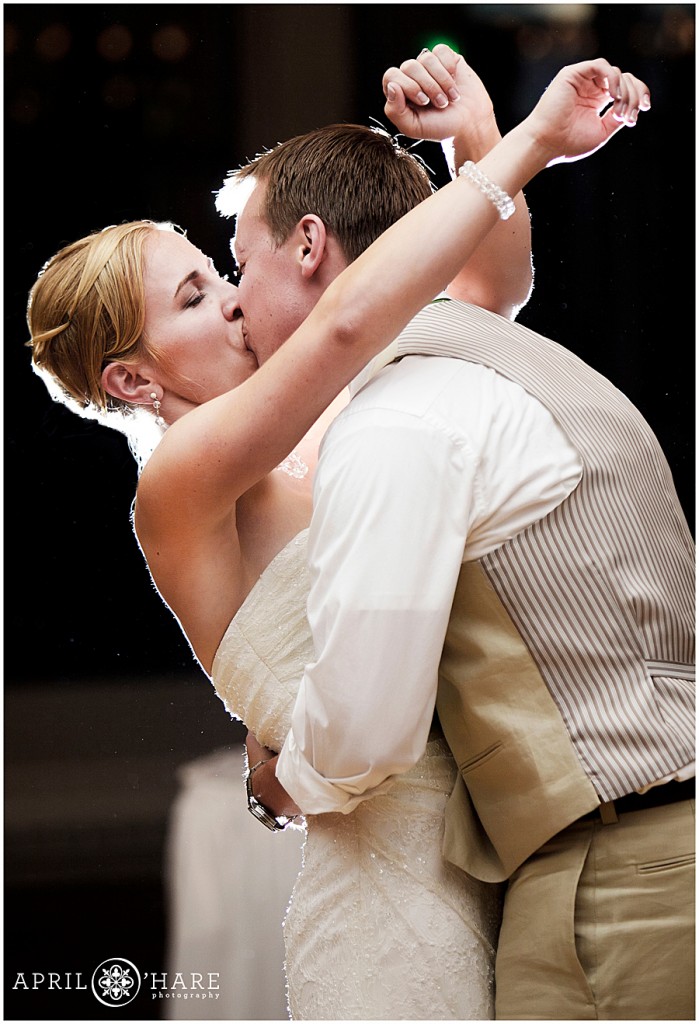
(419, 86)
(396, 102)
(441, 64)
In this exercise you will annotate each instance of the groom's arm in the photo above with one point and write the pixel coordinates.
(460, 116)
(385, 552)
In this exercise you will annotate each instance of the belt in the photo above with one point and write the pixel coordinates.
(656, 796)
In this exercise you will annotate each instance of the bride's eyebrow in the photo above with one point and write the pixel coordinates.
(185, 280)
(192, 275)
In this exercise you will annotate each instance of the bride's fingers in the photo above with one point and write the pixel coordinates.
(630, 98)
(639, 89)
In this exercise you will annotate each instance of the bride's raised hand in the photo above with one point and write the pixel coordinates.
(583, 107)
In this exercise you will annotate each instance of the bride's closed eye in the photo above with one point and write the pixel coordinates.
(195, 299)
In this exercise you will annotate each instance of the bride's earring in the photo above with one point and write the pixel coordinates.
(156, 409)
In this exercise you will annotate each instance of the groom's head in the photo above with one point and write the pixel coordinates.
(305, 210)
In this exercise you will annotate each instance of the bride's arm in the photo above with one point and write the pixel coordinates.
(219, 450)
(498, 275)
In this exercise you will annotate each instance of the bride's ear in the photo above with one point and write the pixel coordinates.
(313, 239)
(128, 383)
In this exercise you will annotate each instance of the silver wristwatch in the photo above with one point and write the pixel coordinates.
(269, 820)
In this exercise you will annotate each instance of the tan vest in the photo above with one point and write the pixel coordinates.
(567, 674)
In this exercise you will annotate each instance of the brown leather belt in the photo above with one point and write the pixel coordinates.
(656, 796)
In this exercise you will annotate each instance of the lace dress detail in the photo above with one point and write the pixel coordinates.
(380, 926)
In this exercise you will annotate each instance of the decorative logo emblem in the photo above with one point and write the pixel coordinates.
(116, 982)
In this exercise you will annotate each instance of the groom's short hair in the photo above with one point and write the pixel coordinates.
(358, 180)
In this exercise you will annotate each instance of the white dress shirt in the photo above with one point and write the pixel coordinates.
(434, 462)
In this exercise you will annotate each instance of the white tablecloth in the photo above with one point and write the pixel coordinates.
(229, 881)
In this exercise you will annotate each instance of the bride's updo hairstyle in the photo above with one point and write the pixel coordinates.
(87, 309)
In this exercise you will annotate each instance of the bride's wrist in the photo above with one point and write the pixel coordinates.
(516, 159)
(537, 149)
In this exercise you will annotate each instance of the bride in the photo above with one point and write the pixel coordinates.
(136, 318)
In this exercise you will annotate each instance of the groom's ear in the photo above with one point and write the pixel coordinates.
(312, 242)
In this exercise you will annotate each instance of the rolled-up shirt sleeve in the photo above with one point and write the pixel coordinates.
(395, 495)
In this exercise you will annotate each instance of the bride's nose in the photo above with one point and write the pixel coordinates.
(230, 304)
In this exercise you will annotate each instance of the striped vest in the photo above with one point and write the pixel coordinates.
(567, 675)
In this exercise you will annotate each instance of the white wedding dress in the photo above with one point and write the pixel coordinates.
(379, 926)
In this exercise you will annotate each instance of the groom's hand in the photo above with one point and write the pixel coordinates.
(265, 784)
(438, 96)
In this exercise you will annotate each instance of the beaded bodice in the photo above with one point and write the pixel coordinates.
(379, 927)
(257, 667)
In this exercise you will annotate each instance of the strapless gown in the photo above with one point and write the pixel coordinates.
(380, 926)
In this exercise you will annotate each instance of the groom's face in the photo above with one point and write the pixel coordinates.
(273, 294)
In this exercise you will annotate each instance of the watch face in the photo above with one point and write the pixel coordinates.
(263, 815)
(260, 811)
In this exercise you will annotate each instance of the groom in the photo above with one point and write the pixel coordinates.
(498, 530)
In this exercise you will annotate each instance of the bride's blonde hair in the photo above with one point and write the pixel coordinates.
(86, 309)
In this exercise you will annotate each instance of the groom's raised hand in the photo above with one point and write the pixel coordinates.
(437, 96)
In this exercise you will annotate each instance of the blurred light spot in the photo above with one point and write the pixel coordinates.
(576, 14)
(534, 42)
(53, 42)
(170, 43)
(119, 92)
(567, 42)
(114, 43)
(168, 109)
(522, 14)
(669, 35)
(25, 106)
(435, 39)
(11, 38)
(676, 31)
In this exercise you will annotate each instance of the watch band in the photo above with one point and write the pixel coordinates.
(273, 822)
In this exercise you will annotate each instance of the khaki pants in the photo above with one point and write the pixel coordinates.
(599, 923)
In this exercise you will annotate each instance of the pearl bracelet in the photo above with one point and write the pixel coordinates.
(502, 202)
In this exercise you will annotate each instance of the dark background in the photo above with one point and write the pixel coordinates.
(121, 111)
